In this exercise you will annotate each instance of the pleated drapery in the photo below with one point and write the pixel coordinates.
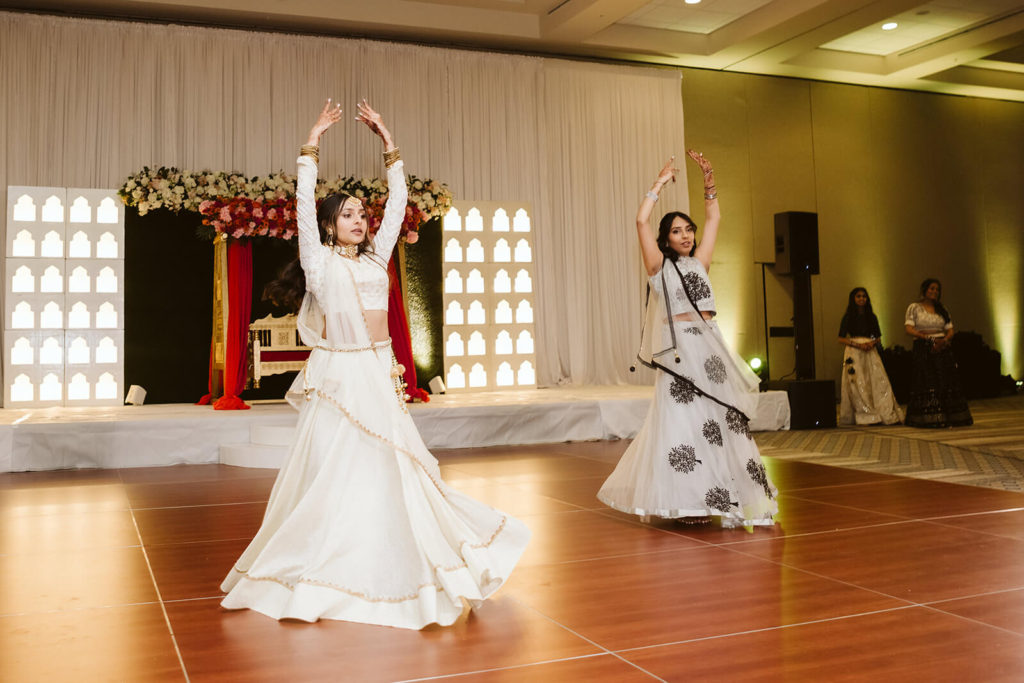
(85, 103)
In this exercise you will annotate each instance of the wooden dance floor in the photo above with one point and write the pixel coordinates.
(112, 575)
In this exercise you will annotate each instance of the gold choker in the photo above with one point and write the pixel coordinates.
(347, 250)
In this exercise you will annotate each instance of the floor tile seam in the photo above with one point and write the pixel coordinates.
(933, 603)
(823, 532)
(991, 534)
(200, 505)
(585, 639)
(512, 667)
(155, 546)
(603, 558)
(159, 597)
(766, 629)
(825, 577)
(889, 480)
(898, 518)
(607, 512)
(969, 514)
(969, 620)
(72, 610)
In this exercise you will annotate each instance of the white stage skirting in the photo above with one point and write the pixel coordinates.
(170, 434)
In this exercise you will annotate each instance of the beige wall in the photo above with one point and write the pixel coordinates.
(906, 186)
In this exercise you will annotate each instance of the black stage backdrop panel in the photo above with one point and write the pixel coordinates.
(168, 306)
(425, 301)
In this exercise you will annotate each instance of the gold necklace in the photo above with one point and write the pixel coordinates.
(347, 250)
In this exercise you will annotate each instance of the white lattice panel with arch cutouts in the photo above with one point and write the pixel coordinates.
(489, 295)
(63, 297)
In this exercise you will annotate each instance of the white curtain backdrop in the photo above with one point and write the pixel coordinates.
(84, 103)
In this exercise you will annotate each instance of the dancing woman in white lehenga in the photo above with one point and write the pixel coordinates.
(694, 457)
(360, 525)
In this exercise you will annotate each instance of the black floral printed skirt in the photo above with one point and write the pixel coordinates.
(936, 398)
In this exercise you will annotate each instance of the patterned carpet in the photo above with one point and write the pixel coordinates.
(989, 454)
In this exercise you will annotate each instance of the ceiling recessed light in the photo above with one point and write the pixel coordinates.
(888, 26)
(692, 2)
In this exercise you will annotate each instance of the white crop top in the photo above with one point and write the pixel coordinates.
(370, 270)
(695, 282)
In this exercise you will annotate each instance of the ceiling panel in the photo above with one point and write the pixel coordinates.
(705, 17)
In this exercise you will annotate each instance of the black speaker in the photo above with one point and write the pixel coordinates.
(796, 242)
(812, 403)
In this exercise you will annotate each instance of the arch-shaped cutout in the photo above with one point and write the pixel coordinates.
(453, 282)
(80, 211)
(454, 346)
(50, 388)
(503, 344)
(474, 221)
(78, 352)
(78, 388)
(503, 313)
(477, 376)
(476, 345)
(453, 220)
(22, 352)
(524, 312)
(53, 210)
(51, 317)
(107, 246)
(521, 222)
(474, 282)
(504, 377)
(477, 314)
(51, 281)
(79, 280)
(453, 251)
(502, 252)
(456, 378)
(106, 351)
(51, 352)
(499, 222)
(526, 375)
(52, 245)
(24, 209)
(79, 246)
(474, 251)
(106, 387)
(23, 245)
(106, 212)
(502, 282)
(106, 316)
(23, 317)
(78, 316)
(524, 342)
(106, 281)
(453, 315)
(22, 389)
(524, 283)
(23, 281)
(524, 254)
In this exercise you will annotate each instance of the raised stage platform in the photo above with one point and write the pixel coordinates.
(171, 434)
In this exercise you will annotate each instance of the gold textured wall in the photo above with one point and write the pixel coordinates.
(906, 186)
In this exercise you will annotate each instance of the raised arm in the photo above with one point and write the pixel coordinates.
(712, 214)
(312, 252)
(398, 191)
(652, 255)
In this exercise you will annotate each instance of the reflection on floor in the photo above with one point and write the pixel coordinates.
(112, 575)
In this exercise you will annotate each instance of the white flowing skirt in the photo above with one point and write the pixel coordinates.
(866, 395)
(360, 526)
(693, 456)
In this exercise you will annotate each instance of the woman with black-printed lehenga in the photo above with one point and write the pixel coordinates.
(694, 457)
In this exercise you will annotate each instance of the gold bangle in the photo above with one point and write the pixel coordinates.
(310, 151)
(391, 157)
(710, 195)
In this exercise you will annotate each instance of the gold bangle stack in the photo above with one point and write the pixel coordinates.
(391, 157)
(310, 151)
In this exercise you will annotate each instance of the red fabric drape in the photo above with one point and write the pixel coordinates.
(237, 333)
(398, 328)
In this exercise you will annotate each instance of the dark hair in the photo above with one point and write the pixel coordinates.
(665, 227)
(290, 286)
(939, 308)
(852, 310)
